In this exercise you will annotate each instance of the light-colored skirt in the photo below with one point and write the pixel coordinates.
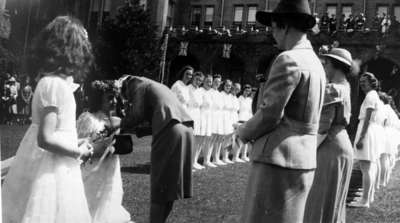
(218, 122)
(196, 116)
(373, 144)
(207, 119)
(42, 186)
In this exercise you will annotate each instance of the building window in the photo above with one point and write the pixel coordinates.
(396, 11)
(331, 10)
(196, 16)
(251, 15)
(238, 15)
(209, 18)
(170, 15)
(382, 10)
(347, 10)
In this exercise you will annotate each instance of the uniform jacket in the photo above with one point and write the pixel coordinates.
(152, 102)
(284, 129)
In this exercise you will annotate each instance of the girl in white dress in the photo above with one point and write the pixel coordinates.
(245, 113)
(44, 184)
(391, 140)
(236, 147)
(218, 123)
(102, 179)
(366, 143)
(227, 99)
(180, 87)
(207, 120)
(195, 101)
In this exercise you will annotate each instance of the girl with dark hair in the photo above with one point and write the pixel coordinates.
(326, 202)
(44, 183)
(194, 105)
(180, 87)
(102, 178)
(218, 123)
(245, 113)
(367, 142)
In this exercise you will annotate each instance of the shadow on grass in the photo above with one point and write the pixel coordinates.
(137, 169)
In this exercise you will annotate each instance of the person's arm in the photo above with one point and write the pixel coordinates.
(53, 141)
(368, 115)
(283, 79)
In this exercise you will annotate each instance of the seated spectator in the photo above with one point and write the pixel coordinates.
(343, 22)
(376, 23)
(385, 24)
(350, 23)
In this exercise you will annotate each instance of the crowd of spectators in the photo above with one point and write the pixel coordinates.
(382, 23)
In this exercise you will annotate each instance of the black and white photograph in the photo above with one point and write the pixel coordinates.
(193, 111)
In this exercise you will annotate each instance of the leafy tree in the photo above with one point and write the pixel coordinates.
(128, 44)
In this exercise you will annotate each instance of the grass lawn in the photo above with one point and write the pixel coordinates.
(218, 192)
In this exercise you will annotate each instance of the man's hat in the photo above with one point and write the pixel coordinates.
(299, 9)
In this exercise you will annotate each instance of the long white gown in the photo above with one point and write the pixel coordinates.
(103, 186)
(42, 186)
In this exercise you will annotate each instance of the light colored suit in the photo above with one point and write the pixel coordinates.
(284, 129)
(284, 135)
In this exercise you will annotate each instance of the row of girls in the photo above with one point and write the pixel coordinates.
(377, 139)
(336, 155)
(215, 113)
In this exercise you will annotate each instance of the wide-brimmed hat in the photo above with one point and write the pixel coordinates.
(299, 9)
(341, 55)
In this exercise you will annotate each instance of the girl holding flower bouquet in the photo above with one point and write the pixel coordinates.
(44, 183)
(102, 176)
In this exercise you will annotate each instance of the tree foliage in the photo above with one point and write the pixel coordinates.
(128, 44)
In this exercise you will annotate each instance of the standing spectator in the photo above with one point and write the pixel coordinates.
(316, 29)
(324, 24)
(385, 24)
(13, 99)
(332, 24)
(360, 22)
(343, 22)
(350, 23)
(284, 129)
(5, 105)
(26, 94)
(376, 23)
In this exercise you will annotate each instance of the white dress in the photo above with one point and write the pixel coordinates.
(392, 139)
(195, 101)
(216, 107)
(181, 91)
(103, 187)
(245, 112)
(227, 108)
(373, 138)
(235, 109)
(41, 186)
(206, 113)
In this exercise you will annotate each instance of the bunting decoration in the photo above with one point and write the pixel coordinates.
(226, 53)
(183, 48)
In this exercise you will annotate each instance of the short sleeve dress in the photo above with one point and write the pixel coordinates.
(206, 113)
(103, 185)
(42, 186)
(217, 108)
(375, 132)
(195, 101)
(245, 110)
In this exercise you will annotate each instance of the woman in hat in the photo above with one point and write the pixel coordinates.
(367, 141)
(327, 199)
